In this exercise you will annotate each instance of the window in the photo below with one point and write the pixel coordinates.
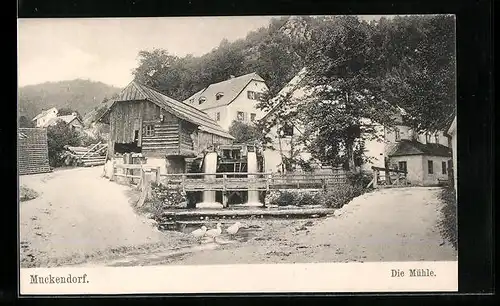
(240, 116)
(436, 139)
(402, 166)
(219, 95)
(201, 100)
(252, 117)
(217, 116)
(150, 130)
(398, 135)
(252, 95)
(443, 167)
(430, 167)
(287, 130)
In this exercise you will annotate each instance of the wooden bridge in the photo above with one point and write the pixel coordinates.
(228, 181)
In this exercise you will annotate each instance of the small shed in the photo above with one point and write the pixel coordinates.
(32, 151)
(426, 164)
(164, 130)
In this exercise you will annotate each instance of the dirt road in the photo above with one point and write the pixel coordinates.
(79, 216)
(386, 225)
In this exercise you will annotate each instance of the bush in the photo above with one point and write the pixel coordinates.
(285, 198)
(58, 136)
(163, 198)
(361, 179)
(340, 195)
(297, 198)
(448, 222)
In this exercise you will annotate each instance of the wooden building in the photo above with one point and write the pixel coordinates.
(164, 130)
(32, 151)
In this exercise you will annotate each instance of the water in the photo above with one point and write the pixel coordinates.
(253, 195)
(244, 233)
(209, 166)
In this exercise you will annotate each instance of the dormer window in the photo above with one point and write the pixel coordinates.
(201, 100)
(436, 139)
(219, 95)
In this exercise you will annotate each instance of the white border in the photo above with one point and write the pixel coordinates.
(265, 278)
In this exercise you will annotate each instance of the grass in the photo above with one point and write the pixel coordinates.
(448, 223)
(26, 194)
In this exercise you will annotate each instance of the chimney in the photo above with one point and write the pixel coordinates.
(74, 114)
(231, 76)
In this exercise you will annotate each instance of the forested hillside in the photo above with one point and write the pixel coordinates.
(79, 95)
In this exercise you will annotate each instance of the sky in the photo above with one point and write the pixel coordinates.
(106, 49)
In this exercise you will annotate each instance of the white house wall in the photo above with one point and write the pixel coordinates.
(51, 114)
(245, 105)
(432, 179)
(225, 120)
(375, 150)
(414, 166)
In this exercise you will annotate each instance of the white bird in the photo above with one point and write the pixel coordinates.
(199, 233)
(233, 229)
(214, 233)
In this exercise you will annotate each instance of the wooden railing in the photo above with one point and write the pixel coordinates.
(395, 178)
(228, 181)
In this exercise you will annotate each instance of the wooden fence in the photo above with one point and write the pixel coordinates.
(32, 151)
(395, 178)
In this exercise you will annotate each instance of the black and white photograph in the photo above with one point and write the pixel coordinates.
(233, 141)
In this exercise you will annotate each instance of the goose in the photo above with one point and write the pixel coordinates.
(233, 229)
(214, 233)
(199, 233)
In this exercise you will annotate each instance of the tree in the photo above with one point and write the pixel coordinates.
(65, 111)
(246, 133)
(58, 136)
(421, 59)
(25, 122)
(344, 74)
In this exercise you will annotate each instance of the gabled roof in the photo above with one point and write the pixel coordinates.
(66, 118)
(413, 147)
(290, 88)
(230, 88)
(139, 92)
(45, 112)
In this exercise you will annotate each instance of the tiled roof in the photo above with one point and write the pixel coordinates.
(413, 147)
(137, 91)
(230, 88)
